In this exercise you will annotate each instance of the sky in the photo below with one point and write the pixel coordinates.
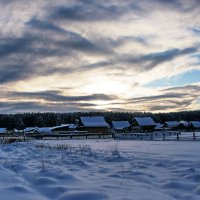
(89, 55)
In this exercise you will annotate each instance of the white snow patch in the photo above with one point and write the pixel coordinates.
(100, 170)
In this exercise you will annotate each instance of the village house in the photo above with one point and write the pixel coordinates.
(195, 125)
(143, 124)
(96, 124)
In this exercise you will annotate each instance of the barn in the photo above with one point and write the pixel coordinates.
(95, 124)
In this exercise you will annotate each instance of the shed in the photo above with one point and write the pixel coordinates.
(159, 126)
(184, 125)
(120, 126)
(64, 127)
(171, 124)
(96, 124)
(30, 130)
(143, 123)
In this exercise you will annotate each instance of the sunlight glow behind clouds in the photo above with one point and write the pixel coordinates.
(97, 47)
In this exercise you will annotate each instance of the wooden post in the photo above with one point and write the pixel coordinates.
(194, 136)
(177, 136)
(151, 136)
(163, 136)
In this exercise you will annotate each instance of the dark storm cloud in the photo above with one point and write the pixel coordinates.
(149, 61)
(30, 45)
(195, 30)
(93, 11)
(15, 45)
(8, 107)
(43, 25)
(183, 6)
(56, 96)
(20, 56)
(69, 40)
(193, 89)
(10, 73)
(168, 96)
(176, 98)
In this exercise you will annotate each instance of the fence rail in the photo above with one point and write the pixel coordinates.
(164, 136)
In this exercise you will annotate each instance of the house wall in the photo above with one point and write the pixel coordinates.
(95, 129)
(147, 128)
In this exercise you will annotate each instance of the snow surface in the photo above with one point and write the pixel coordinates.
(100, 170)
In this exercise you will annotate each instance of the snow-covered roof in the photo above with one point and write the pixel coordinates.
(196, 124)
(184, 123)
(44, 130)
(97, 121)
(171, 124)
(145, 121)
(30, 129)
(70, 126)
(119, 125)
(3, 130)
(159, 126)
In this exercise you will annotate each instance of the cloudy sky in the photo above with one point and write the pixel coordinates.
(88, 55)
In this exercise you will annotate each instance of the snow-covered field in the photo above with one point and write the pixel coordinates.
(100, 170)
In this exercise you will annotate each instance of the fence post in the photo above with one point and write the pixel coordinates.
(163, 136)
(177, 136)
(194, 136)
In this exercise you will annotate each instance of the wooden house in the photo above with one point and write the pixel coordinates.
(96, 124)
(143, 124)
(194, 125)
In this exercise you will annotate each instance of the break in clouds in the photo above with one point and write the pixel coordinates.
(87, 55)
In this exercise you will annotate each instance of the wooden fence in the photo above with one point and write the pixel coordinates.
(156, 136)
(164, 136)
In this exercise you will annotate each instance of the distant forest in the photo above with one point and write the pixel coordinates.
(22, 120)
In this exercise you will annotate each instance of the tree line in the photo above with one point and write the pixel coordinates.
(23, 120)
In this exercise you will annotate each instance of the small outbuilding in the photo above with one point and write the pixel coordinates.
(30, 130)
(159, 127)
(96, 124)
(63, 127)
(143, 124)
(171, 125)
(121, 126)
(184, 125)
